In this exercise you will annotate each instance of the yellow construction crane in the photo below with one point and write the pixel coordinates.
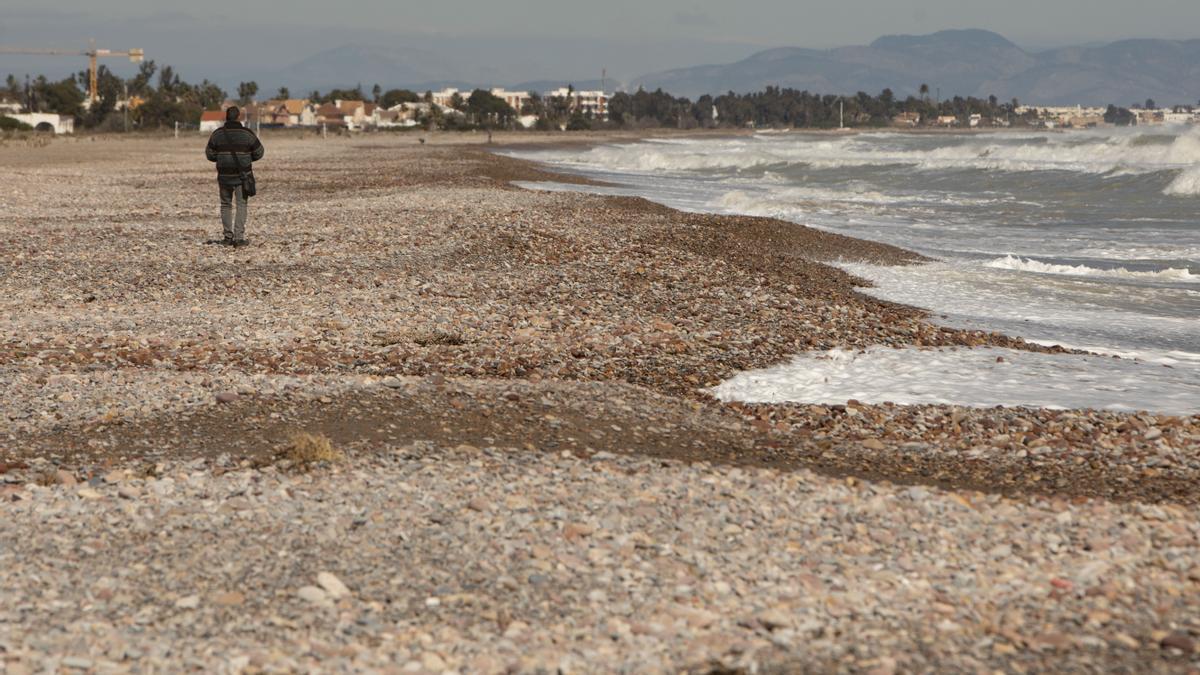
(135, 55)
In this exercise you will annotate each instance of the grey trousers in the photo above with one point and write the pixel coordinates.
(234, 226)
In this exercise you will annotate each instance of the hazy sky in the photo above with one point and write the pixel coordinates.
(534, 37)
(765, 22)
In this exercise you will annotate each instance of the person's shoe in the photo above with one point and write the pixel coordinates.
(241, 242)
(228, 241)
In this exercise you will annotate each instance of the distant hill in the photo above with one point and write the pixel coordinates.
(409, 67)
(961, 62)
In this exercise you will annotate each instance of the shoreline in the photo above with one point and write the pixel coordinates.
(663, 317)
(522, 472)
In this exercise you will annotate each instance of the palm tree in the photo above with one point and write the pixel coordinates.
(924, 91)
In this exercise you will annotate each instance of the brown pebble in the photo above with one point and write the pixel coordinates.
(1179, 640)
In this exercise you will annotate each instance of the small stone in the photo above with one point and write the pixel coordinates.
(515, 629)
(114, 477)
(77, 663)
(774, 619)
(432, 662)
(89, 493)
(229, 599)
(332, 585)
(1178, 640)
(1153, 434)
(1127, 641)
(478, 504)
(575, 531)
(392, 383)
(188, 602)
(873, 444)
(312, 594)
(65, 478)
(917, 494)
(129, 492)
(227, 397)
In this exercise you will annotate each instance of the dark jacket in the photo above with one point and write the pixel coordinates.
(234, 148)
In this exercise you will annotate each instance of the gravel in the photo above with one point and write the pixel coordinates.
(535, 478)
(427, 558)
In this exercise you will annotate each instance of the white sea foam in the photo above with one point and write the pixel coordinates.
(1186, 184)
(973, 377)
(1029, 265)
(1094, 153)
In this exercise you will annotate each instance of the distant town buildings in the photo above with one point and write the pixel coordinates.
(563, 106)
(356, 115)
(517, 100)
(591, 103)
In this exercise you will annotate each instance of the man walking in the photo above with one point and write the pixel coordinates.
(234, 148)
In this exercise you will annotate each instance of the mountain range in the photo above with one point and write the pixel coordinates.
(961, 62)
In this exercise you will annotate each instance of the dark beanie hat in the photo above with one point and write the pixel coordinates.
(231, 114)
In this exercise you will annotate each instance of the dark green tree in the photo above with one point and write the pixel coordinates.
(246, 91)
(12, 88)
(109, 88)
(209, 96)
(489, 110)
(139, 85)
(1121, 117)
(62, 97)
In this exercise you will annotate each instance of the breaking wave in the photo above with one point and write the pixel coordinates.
(1122, 153)
(1018, 264)
(1186, 184)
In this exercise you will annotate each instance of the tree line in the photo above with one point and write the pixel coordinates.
(164, 98)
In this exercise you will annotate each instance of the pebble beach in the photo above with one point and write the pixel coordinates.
(528, 472)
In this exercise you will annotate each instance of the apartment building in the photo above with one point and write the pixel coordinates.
(590, 103)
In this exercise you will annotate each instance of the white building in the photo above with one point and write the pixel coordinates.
(591, 103)
(515, 99)
(444, 96)
(59, 124)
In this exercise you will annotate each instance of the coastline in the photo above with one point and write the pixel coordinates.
(534, 477)
(684, 302)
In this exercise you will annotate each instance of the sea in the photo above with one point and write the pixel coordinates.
(1085, 239)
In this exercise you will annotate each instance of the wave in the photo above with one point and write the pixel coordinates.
(1029, 265)
(1115, 153)
(1186, 184)
(753, 203)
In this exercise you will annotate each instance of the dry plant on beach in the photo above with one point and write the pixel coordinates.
(438, 337)
(303, 451)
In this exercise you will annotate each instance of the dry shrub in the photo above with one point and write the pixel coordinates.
(304, 450)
